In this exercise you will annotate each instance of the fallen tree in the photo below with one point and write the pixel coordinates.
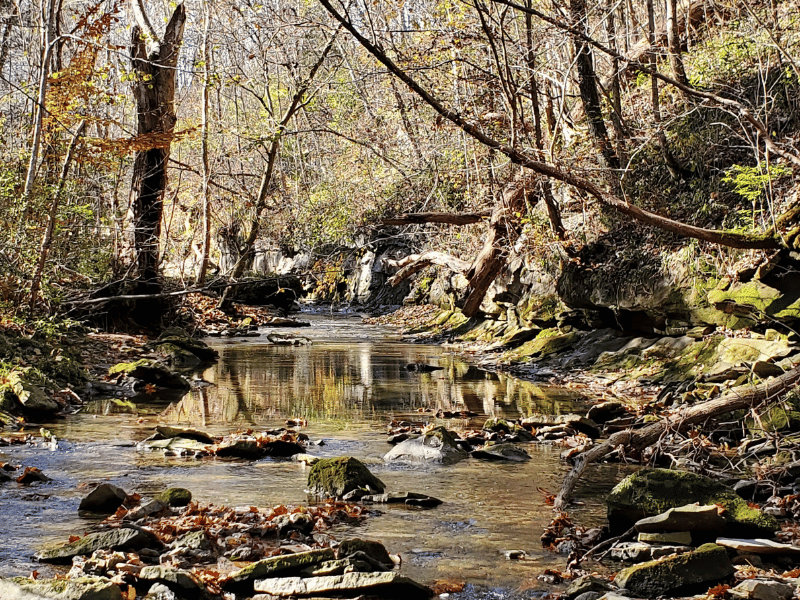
(436, 217)
(489, 262)
(751, 396)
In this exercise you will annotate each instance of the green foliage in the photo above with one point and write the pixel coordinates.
(752, 182)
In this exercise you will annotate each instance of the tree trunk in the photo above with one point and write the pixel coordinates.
(674, 43)
(414, 263)
(47, 238)
(154, 63)
(587, 86)
(492, 257)
(436, 217)
(204, 259)
(269, 168)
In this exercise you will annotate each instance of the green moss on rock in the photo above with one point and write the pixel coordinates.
(706, 565)
(175, 496)
(651, 492)
(338, 476)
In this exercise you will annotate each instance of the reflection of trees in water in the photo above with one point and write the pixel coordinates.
(261, 383)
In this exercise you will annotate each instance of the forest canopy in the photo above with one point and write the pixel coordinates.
(144, 139)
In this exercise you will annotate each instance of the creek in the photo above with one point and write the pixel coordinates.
(348, 384)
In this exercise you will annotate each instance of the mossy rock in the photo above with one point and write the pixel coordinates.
(336, 477)
(175, 496)
(741, 304)
(177, 356)
(79, 588)
(549, 341)
(177, 337)
(706, 565)
(651, 492)
(286, 565)
(23, 385)
(374, 550)
(150, 371)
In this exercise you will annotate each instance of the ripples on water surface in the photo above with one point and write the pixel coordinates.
(347, 384)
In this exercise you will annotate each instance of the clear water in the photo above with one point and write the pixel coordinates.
(349, 383)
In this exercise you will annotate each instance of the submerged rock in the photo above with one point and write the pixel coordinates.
(81, 588)
(383, 585)
(706, 565)
(651, 492)
(437, 445)
(501, 452)
(407, 498)
(336, 477)
(587, 583)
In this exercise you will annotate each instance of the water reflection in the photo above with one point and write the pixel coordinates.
(362, 377)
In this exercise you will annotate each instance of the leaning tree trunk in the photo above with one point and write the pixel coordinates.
(154, 63)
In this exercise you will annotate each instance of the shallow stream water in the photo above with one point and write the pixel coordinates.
(348, 384)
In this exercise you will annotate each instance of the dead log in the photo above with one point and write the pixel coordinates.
(492, 257)
(736, 399)
(436, 217)
(414, 263)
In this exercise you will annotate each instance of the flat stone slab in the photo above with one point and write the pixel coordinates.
(113, 539)
(276, 565)
(691, 517)
(755, 589)
(386, 585)
(759, 546)
(680, 538)
(640, 552)
(82, 588)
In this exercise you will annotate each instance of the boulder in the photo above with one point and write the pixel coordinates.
(577, 422)
(240, 447)
(587, 583)
(756, 589)
(80, 588)
(706, 565)
(104, 499)
(168, 432)
(175, 356)
(501, 452)
(114, 539)
(178, 338)
(437, 445)
(276, 566)
(349, 585)
(282, 449)
(184, 583)
(374, 550)
(30, 395)
(175, 497)
(651, 492)
(146, 371)
(294, 522)
(336, 477)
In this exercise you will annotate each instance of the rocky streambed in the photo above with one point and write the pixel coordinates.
(462, 480)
